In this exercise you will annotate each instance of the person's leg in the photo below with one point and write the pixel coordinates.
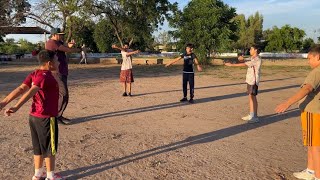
(50, 163)
(311, 165)
(38, 161)
(191, 85)
(129, 87)
(253, 105)
(64, 94)
(185, 84)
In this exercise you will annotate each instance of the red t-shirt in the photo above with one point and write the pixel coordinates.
(45, 101)
(53, 45)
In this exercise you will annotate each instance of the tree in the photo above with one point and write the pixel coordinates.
(285, 39)
(307, 44)
(12, 12)
(208, 24)
(104, 35)
(132, 21)
(83, 33)
(250, 31)
(52, 12)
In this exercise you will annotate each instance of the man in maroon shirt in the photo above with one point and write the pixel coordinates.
(43, 88)
(56, 44)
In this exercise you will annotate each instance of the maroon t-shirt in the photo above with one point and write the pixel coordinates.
(53, 45)
(45, 101)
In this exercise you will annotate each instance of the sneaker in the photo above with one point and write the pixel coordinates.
(184, 99)
(191, 101)
(124, 94)
(246, 118)
(129, 94)
(253, 120)
(55, 177)
(304, 175)
(43, 176)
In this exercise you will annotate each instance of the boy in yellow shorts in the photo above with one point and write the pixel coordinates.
(309, 104)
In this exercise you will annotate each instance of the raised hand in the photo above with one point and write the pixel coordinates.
(71, 43)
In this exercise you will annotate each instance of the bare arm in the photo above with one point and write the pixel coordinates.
(238, 65)
(116, 47)
(13, 95)
(69, 50)
(133, 52)
(174, 61)
(305, 90)
(32, 91)
(198, 65)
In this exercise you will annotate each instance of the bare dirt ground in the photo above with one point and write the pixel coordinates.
(153, 136)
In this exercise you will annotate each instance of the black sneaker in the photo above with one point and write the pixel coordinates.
(184, 99)
(191, 101)
(124, 94)
(129, 94)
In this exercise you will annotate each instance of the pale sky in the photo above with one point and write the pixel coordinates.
(303, 14)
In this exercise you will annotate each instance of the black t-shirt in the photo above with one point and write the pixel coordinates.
(188, 62)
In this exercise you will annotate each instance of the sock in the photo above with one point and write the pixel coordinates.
(50, 175)
(310, 171)
(252, 114)
(38, 172)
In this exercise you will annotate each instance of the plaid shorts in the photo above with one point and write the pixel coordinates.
(126, 76)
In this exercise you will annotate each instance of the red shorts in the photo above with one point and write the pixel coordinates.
(126, 76)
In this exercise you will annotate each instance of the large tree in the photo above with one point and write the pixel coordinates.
(104, 35)
(286, 39)
(208, 24)
(60, 13)
(250, 30)
(13, 12)
(132, 21)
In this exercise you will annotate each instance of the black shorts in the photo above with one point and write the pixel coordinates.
(44, 134)
(252, 89)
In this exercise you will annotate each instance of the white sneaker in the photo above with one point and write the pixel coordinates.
(304, 175)
(246, 118)
(56, 177)
(253, 120)
(43, 176)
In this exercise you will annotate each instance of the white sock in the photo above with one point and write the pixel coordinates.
(310, 171)
(50, 175)
(252, 114)
(38, 172)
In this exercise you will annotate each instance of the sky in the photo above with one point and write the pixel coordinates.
(297, 13)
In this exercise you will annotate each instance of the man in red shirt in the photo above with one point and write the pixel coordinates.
(56, 44)
(43, 88)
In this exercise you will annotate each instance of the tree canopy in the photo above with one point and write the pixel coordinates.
(208, 24)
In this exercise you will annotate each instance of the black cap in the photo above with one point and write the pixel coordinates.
(57, 31)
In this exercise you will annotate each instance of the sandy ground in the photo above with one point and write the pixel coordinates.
(153, 136)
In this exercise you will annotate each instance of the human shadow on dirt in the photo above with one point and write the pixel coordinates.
(169, 105)
(208, 87)
(209, 137)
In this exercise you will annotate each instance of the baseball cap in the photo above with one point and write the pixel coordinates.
(56, 31)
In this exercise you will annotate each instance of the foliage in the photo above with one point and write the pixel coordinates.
(10, 47)
(104, 36)
(286, 39)
(250, 31)
(132, 21)
(307, 44)
(208, 24)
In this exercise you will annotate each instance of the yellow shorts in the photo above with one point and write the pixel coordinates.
(310, 128)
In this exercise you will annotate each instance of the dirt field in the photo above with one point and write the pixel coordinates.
(153, 136)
